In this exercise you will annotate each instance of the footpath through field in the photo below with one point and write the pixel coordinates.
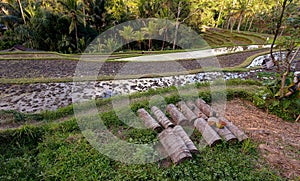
(192, 54)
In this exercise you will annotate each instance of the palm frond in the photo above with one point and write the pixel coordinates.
(72, 26)
(9, 19)
(9, 9)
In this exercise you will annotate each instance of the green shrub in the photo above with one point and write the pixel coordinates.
(268, 99)
(59, 113)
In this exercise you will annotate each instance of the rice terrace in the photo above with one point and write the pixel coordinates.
(149, 90)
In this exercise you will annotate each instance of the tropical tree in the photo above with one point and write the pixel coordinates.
(150, 31)
(21, 10)
(111, 45)
(10, 14)
(289, 43)
(118, 11)
(74, 11)
(241, 8)
(127, 33)
(96, 14)
(139, 36)
(254, 10)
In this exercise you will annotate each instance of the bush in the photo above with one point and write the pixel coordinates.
(268, 99)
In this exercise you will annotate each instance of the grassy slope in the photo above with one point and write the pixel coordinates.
(217, 37)
(214, 37)
(55, 149)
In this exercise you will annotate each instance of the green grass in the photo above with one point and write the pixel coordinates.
(218, 40)
(259, 39)
(56, 149)
(62, 153)
(243, 38)
(234, 38)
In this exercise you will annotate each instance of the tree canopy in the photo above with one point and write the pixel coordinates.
(69, 25)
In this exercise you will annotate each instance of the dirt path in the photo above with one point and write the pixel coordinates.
(279, 141)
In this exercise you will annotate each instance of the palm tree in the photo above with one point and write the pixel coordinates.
(139, 36)
(243, 8)
(10, 14)
(111, 45)
(163, 31)
(127, 33)
(151, 30)
(73, 10)
(21, 10)
(96, 13)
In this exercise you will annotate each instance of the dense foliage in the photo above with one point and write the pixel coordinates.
(288, 108)
(69, 25)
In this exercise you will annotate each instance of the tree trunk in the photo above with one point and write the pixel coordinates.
(209, 134)
(177, 25)
(240, 21)
(276, 35)
(149, 44)
(241, 136)
(246, 25)
(127, 41)
(176, 34)
(226, 134)
(223, 24)
(251, 22)
(149, 121)
(21, 10)
(76, 36)
(84, 19)
(205, 108)
(164, 40)
(228, 23)
(196, 110)
(219, 17)
(298, 119)
(176, 115)
(179, 131)
(187, 112)
(288, 69)
(223, 132)
(232, 25)
(161, 118)
(174, 146)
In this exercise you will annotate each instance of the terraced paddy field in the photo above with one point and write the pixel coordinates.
(32, 68)
(40, 138)
(221, 37)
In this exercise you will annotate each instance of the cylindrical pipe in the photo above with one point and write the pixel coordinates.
(161, 117)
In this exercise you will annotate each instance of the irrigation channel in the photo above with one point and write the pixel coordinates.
(36, 97)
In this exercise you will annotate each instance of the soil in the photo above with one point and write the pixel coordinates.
(66, 68)
(279, 141)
